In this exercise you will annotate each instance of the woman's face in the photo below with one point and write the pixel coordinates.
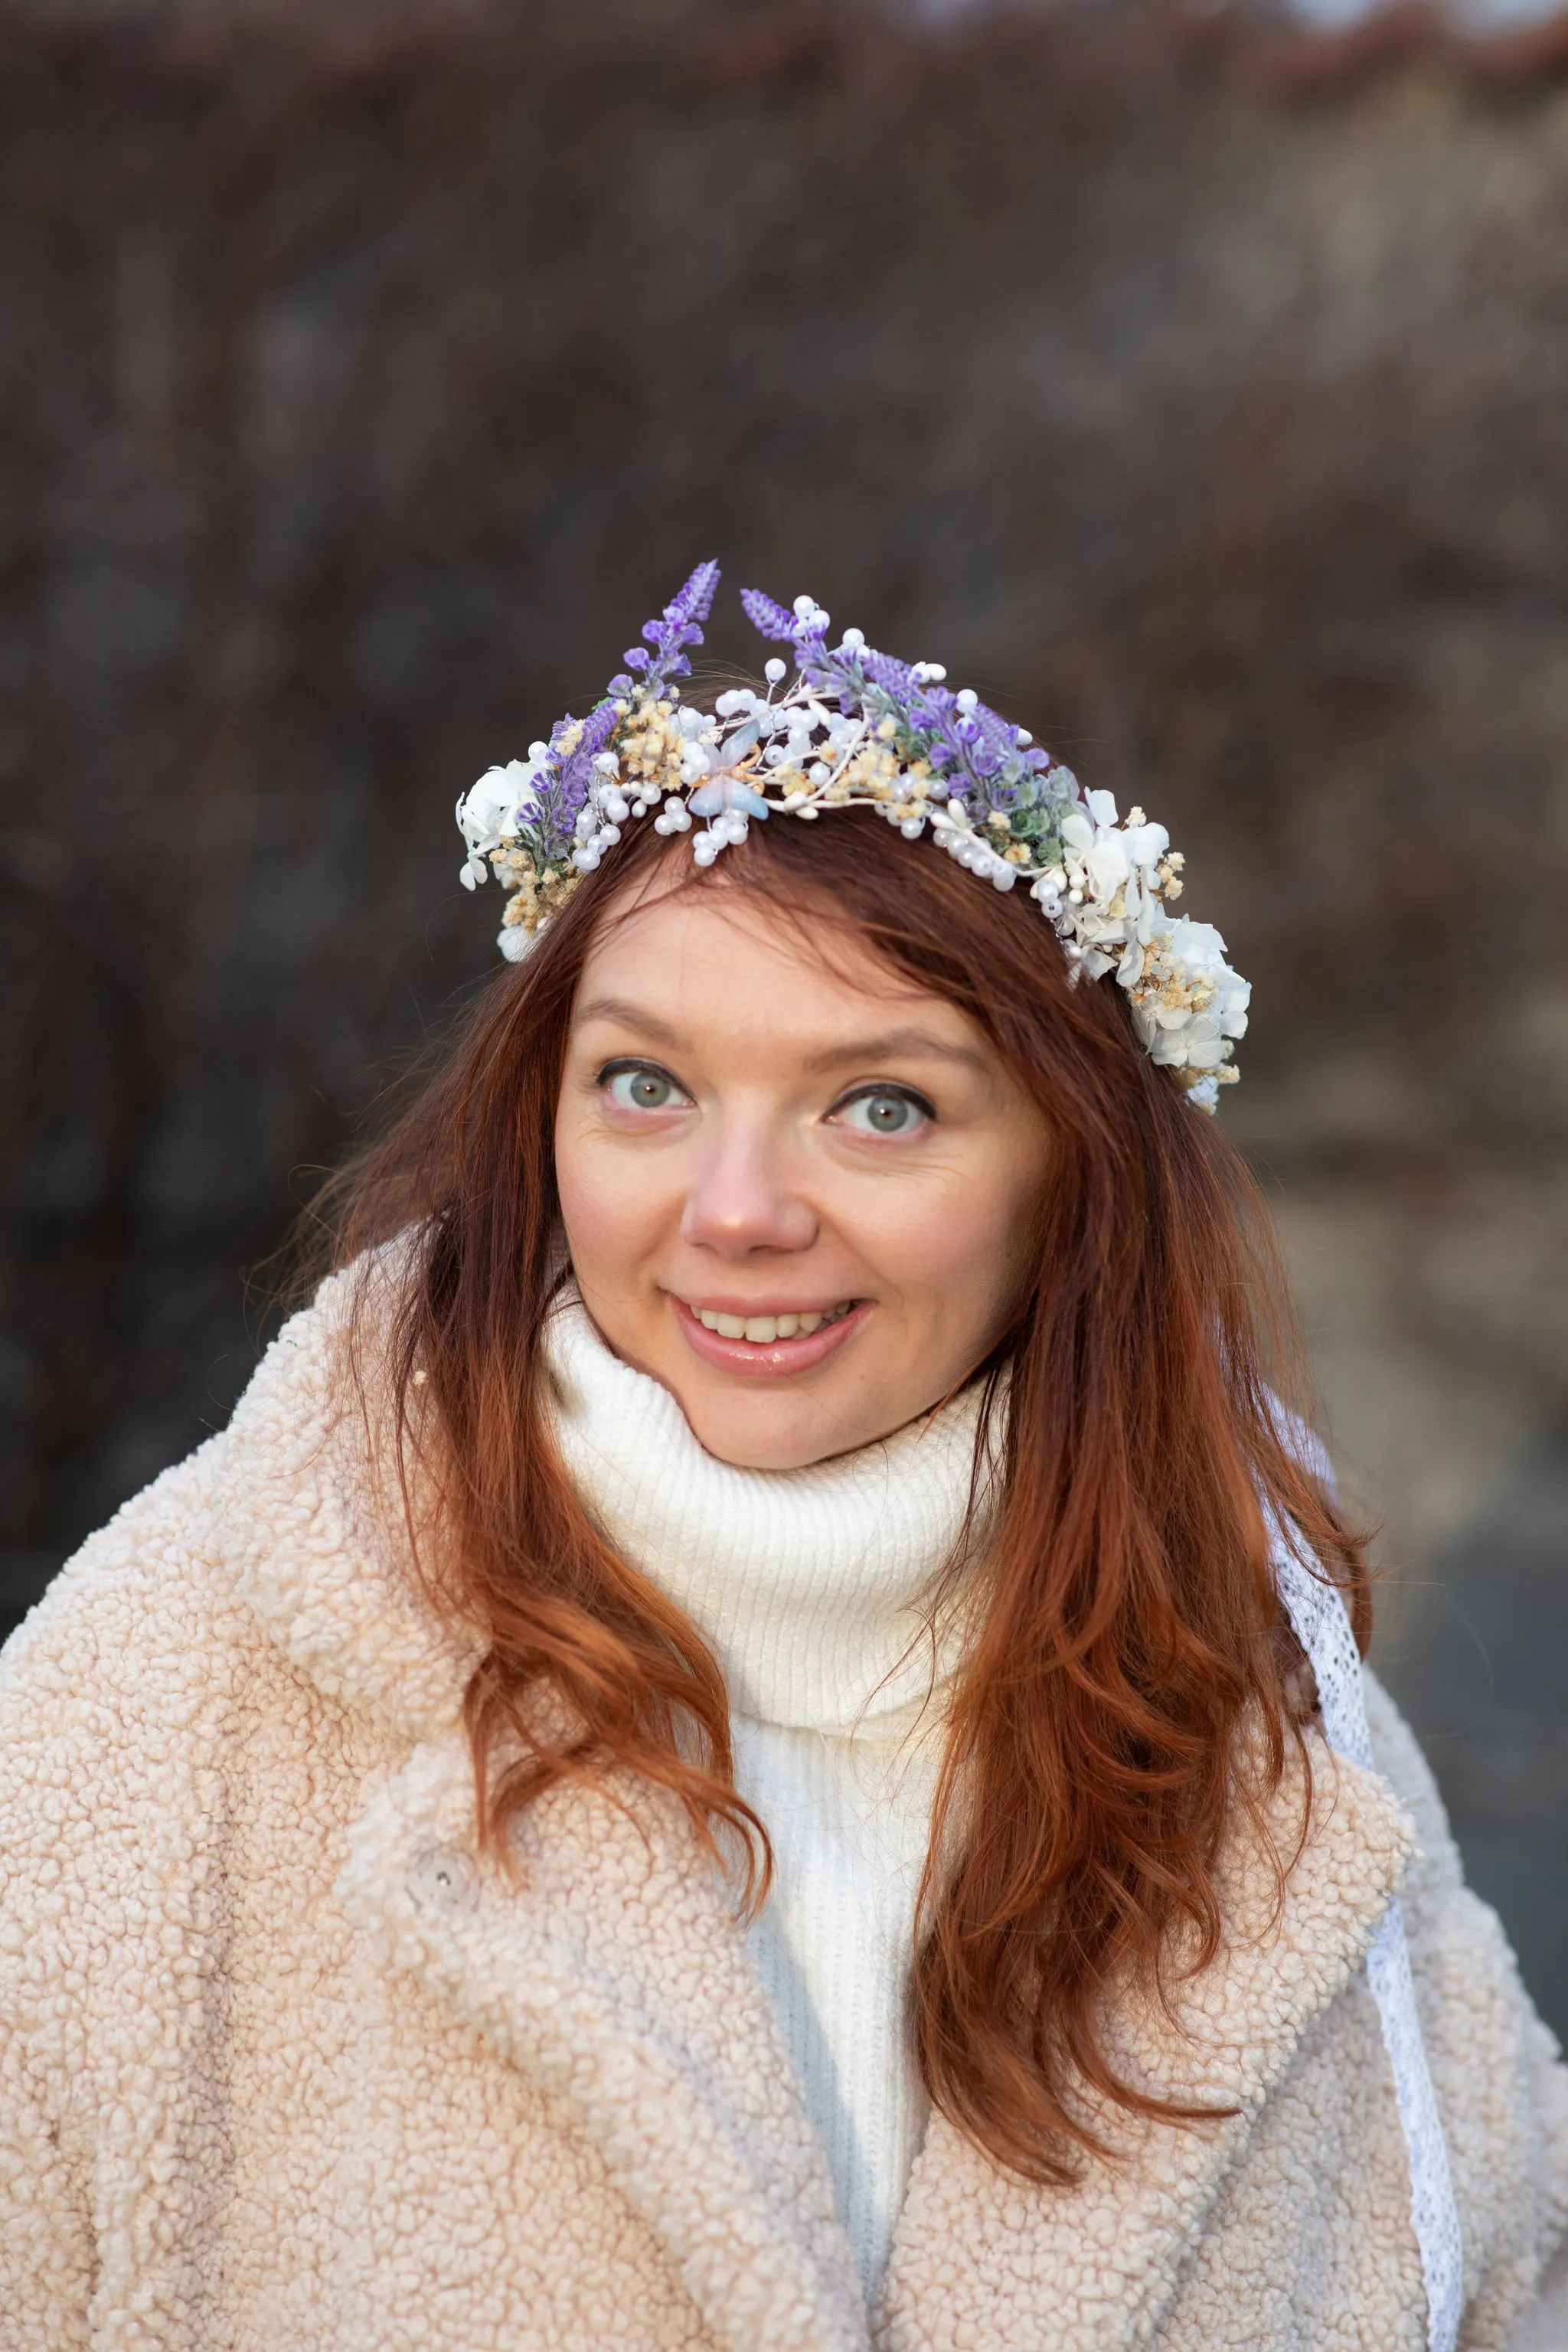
(796, 1192)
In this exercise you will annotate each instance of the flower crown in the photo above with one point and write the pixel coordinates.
(854, 729)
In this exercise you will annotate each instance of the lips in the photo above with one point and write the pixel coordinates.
(720, 1339)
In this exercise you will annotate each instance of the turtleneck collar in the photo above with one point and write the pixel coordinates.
(813, 1586)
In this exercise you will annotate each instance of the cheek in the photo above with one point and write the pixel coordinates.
(961, 1274)
(942, 1248)
(966, 1250)
(610, 1213)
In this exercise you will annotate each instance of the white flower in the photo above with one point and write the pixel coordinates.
(502, 800)
(1107, 875)
(1188, 1004)
(1199, 948)
(1146, 844)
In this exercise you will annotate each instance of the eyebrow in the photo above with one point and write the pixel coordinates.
(910, 1044)
(631, 1016)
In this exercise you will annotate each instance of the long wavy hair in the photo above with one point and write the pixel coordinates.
(1131, 1682)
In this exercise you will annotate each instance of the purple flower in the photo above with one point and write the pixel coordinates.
(680, 625)
(695, 601)
(768, 619)
(896, 678)
(575, 769)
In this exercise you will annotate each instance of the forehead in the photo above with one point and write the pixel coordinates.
(717, 965)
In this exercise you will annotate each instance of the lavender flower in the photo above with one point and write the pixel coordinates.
(681, 625)
(576, 767)
(768, 619)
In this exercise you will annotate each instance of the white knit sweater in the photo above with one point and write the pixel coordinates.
(813, 1587)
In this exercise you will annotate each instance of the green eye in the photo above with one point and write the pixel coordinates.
(883, 1112)
(642, 1089)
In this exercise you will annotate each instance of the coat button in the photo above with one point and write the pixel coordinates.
(445, 1879)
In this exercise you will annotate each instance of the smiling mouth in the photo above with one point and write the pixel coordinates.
(764, 1330)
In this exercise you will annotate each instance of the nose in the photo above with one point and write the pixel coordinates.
(744, 1197)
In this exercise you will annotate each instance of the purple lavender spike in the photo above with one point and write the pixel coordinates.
(768, 619)
(893, 677)
(694, 601)
(680, 625)
(598, 729)
(554, 819)
(574, 771)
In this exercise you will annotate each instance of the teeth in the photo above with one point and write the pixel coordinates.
(763, 1330)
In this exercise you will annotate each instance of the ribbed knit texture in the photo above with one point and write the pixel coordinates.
(814, 1588)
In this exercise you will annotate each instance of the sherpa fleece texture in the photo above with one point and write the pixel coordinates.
(286, 2066)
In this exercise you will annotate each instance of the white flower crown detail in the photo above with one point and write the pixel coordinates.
(854, 729)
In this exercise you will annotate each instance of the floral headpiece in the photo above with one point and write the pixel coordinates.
(854, 729)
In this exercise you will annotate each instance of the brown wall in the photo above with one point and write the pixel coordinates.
(365, 377)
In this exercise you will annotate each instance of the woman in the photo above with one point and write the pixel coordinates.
(752, 1738)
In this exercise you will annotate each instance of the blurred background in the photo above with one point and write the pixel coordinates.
(1193, 381)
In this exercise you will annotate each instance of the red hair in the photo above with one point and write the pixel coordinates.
(1129, 1631)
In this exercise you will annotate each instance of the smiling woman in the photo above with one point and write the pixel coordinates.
(754, 1737)
(809, 1225)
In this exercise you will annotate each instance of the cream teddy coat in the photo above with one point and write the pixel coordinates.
(286, 2066)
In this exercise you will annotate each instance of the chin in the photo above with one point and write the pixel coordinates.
(768, 1435)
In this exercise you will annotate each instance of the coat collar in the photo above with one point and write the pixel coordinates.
(311, 1519)
(615, 1974)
